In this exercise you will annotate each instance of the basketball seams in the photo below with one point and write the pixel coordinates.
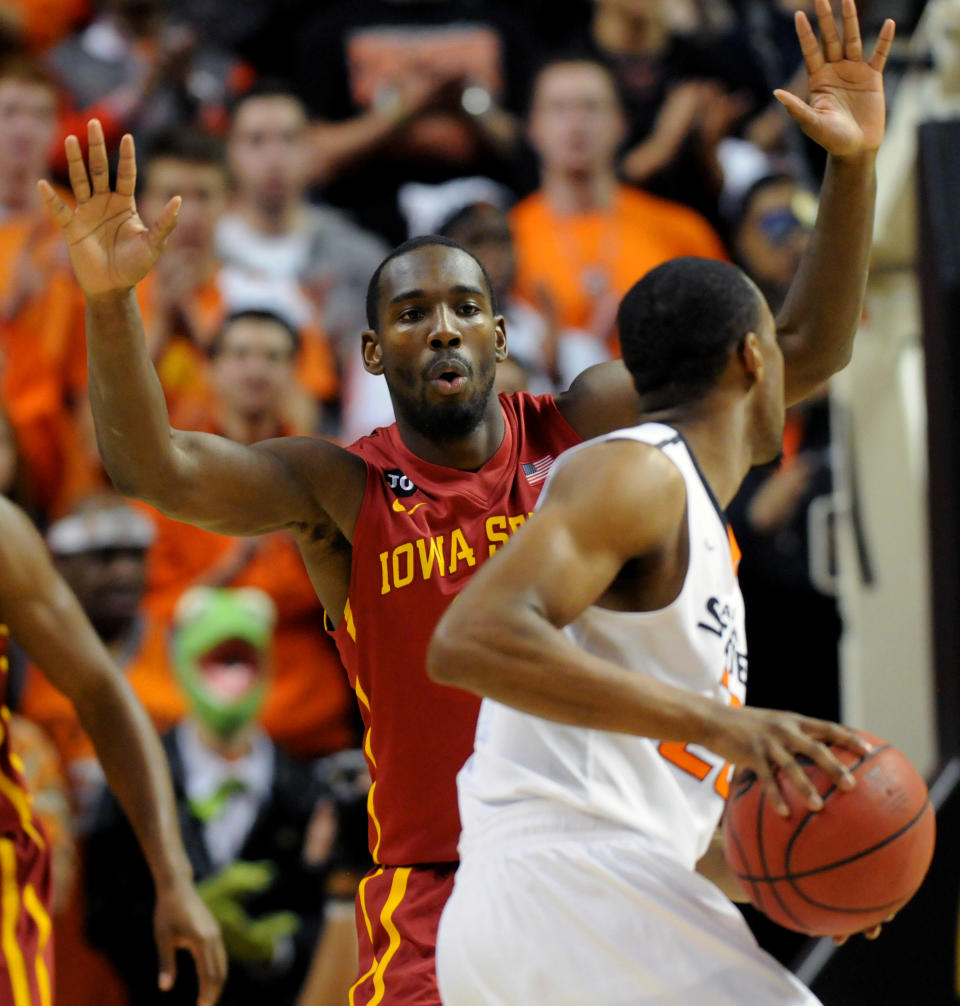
(780, 894)
(790, 876)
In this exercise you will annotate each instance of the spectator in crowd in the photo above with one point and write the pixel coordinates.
(550, 358)
(770, 229)
(185, 302)
(422, 91)
(100, 550)
(583, 236)
(309, 709)
(272, 230)
(41, 311)
(138, 71)
(257, 826)
(682, 96)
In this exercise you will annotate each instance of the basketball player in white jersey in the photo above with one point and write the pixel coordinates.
(608, 640)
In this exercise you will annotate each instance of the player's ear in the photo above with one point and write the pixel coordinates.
(501, 337)
(371, 352)
(751, 358)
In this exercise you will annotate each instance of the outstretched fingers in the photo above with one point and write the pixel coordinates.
(76, 169)
(799, 110)
(127, 167)
(884, 42)
(99, 164)
(163, 226)
(833, 50)
(852, 43)
(809, 46)
(58, 209)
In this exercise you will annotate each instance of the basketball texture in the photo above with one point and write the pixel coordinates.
(841, 869)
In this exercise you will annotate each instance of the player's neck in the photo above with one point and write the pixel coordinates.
(719, 441)
(468, 453)
(580, 192)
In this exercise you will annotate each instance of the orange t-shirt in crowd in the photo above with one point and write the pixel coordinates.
(579, 257)
(44, 22)
(41, 345)
(308, 709)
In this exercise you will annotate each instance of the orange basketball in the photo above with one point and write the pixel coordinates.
(846, 867)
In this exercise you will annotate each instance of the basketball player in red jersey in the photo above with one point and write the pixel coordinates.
(392, 528)
(38, 609)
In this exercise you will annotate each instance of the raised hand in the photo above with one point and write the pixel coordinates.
(846, 111)
(110, 247)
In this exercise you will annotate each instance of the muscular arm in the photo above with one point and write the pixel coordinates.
(46, 619)
(502, 637)
(302, 484)
(818, 321)
(199, 478)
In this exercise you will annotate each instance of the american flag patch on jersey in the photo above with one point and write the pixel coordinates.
(537, 471)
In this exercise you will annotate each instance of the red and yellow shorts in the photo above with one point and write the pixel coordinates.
(398, 912)
(26, 950)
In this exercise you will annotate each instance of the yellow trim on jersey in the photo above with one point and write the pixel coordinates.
(38, 913)
(20, 799)
(348, 618)
(361, 897)
(376, 822)
(9, 914)
(397, 890)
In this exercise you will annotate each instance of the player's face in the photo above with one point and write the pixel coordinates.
(769, 400)
(439, 341)
(268, 150)
(575, 121)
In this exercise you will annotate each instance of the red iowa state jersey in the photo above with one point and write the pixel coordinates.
(422, 531)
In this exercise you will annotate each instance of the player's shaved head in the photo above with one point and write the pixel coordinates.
(374, 288)
(679, 324)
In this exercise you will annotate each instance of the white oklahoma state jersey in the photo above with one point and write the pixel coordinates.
(529, 773)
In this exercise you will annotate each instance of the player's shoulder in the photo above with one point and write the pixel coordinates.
(637, 488)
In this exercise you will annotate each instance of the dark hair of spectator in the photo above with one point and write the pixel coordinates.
(679, 324)
(24, 68)
(195, 146)
(267, 87)
(423, 241)
(461, 216)
(575, 57)
(254, 314)
(767, 181)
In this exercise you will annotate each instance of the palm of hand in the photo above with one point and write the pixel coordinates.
(847, 98)
(109, 244)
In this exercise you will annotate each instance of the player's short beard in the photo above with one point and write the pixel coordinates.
(444, 422)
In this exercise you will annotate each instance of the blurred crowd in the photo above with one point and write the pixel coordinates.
(570, 145)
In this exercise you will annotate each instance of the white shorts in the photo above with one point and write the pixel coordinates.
(596, 920)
